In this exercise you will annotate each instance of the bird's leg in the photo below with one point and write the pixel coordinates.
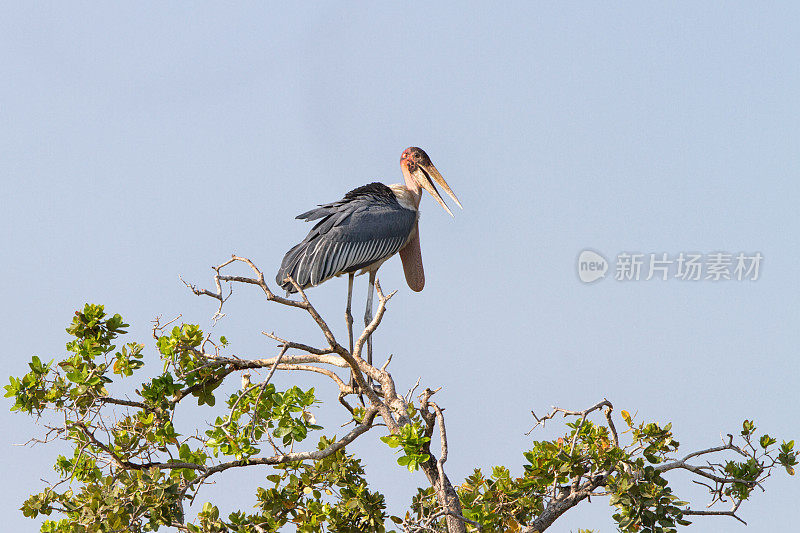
(368, 320)
(348, 316)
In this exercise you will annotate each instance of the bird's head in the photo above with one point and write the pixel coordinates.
(419, 172)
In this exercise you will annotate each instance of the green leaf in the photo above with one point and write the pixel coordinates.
(281, 431)
(766, 441)
(391, 440)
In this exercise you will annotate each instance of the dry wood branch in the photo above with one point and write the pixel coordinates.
(701, 470)
(607, 412)
(565, 412)
(127, 403)
(297, 345)
(427, 525)
(353, 360)
(158, 326)
(410, 392)
(236, 364)
(443, 439)
(318, 370)
(731, 512)
(216, 295)
(258, 281)
(333, 346)
(376, 320)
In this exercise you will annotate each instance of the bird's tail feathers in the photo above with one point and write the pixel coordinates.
(289, 268)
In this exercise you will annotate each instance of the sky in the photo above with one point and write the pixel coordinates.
(145, 141)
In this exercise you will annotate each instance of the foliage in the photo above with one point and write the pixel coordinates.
(137, 471)
(412, 440)
(588, 460)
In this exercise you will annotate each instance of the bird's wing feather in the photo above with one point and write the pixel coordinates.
(367, 225)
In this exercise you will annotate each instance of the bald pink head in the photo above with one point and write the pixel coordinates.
(419, 173)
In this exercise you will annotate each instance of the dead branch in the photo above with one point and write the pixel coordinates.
(555, 410)
(731, 512)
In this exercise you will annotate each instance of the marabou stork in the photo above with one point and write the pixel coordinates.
(364, 229)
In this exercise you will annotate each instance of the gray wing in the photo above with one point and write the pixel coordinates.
(367, 226)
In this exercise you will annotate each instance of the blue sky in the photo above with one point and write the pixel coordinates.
(143, 142)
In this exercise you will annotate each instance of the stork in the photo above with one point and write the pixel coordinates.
(364, 229)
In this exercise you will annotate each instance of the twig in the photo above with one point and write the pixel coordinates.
(583, 414)
(443, 439)
(263, 387)
(731, 512)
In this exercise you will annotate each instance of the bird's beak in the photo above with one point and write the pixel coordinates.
(425, 175)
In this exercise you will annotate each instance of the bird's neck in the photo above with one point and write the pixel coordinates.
(412, 186)
(408, 198)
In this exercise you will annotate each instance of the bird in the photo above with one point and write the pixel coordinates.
(362, 230)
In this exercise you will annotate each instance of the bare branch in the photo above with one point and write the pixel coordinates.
(607, 412)
(318, 370)
(443, 439)
(297, 345)
(566, 412)
(127, 403)
(731, 512)
(700, 470)
(376, 320)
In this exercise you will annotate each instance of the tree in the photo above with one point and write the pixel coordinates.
(132, 469)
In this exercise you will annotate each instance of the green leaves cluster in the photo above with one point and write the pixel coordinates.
(80, 378)
(587, 461)
(259, 409)
(135, 471)
(761, 458)
(412, 440)
(200, 375)
(502, 502)
(328, 494)
(645, 502)
(141, 500)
